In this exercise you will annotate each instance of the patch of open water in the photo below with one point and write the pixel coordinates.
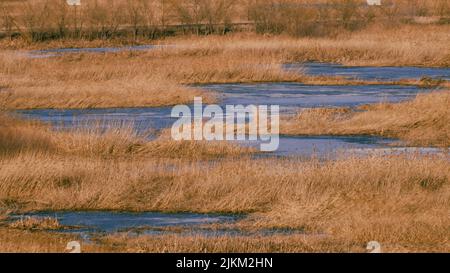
(383, 73)
(290, 96)
(48, 53)
(86, 223)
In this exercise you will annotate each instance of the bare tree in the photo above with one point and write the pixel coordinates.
(104, 18)
(216, 12)
(135, 15)
(35, 18)
(7, 20)
(188, 13)
(61, 14)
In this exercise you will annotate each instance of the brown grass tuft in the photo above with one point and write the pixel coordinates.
(35, 223)
(158, 77)
(422, 121)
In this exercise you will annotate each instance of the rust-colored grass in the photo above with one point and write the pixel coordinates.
(13, 240)
(422, 121)
(158, 77)
(401, 201)
(259, 244)
(37, 241)
(375, 46)
(34, 223)
(17, 136)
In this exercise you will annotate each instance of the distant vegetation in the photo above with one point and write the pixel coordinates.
(40, 20)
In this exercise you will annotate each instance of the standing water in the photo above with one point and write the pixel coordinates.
(47, 53)
(291, 97)
(384, 73)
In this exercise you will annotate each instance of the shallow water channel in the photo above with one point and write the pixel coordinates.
(87, 223)
(48, 53)
(290, 96)
(370, 73)
(145, 222)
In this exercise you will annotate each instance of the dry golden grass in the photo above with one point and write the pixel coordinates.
(94, 83)
(402, 201)
(158, 77)
(34, 223)
(122, 80)
(374, 46)
(229, 244)
(13, 240)
(36, 241)
(422, 121)
(256, 244)
(17, 136)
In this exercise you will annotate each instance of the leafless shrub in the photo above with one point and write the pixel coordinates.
(7, 20)
(39, 20)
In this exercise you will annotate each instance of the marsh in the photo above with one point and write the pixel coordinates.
(86, 115)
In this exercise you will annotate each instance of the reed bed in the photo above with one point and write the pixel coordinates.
(38, 241)
(162, 76)
(315, 243)
(376, 46)
(96, 141)
(423, 121)
(14, 240)
(34, 223)
(92, 83)
(399, 200)
(402, 201)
